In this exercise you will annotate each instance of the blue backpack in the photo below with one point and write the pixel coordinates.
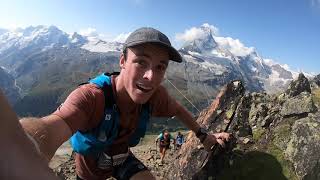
(98, 139)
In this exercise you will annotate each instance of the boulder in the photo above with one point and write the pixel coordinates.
(264, 110)
(298, 105)
(303, 148)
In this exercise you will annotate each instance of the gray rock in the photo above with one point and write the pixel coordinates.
(298, 105)
(304, 148)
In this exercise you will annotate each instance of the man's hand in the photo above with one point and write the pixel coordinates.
(213, 139)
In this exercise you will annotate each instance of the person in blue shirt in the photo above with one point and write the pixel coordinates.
(179, 140)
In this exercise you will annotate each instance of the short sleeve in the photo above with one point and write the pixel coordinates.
(83, 108)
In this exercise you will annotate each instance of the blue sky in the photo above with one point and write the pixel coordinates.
(287, 31)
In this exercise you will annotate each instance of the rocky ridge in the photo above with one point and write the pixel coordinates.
(277, 137)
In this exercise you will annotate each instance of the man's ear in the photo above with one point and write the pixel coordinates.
(122, 61)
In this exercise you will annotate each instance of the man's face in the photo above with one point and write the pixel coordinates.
(143, 70)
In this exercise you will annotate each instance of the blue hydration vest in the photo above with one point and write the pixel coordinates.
(98, 139)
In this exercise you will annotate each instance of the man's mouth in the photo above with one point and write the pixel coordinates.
(144, 88)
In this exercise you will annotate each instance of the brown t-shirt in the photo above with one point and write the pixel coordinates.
(84, 108)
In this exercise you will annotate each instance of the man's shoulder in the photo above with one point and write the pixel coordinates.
(89, 89)
(89, 86)
(85, 93)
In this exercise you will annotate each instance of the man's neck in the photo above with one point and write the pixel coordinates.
(124, 102)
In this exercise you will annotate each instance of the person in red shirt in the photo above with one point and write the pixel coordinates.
(143, 64)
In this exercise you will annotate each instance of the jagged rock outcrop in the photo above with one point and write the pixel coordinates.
(217, 118)
(277, 137)
(300, 85)
(299, 99)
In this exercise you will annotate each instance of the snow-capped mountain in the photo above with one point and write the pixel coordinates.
(48, 37)
(17, 46)
(204, 44)
(45, 61)
(97, 45)
(32, 37)
(224, 56)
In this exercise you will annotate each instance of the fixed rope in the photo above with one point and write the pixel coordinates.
(183, 95)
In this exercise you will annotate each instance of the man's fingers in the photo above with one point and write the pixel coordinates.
(221, 142)
(223, 136)
(219, 138)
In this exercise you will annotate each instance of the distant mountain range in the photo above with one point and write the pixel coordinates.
(43, 64)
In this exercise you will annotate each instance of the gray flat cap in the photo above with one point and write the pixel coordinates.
(151, 35)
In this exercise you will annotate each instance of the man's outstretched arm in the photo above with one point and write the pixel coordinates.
(51, 131)
(47, 133)
(18, 158)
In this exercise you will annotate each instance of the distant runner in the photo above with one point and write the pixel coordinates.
(179, 140)
(164, 140)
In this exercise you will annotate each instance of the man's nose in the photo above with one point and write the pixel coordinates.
(148, 74)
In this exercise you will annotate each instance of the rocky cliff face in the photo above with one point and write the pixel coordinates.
(277, 137)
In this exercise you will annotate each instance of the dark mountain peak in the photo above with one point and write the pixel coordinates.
(203, 43)
(298, 86)
(78, 39)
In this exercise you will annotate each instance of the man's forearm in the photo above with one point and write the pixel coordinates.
(48, 132)
(36, 131)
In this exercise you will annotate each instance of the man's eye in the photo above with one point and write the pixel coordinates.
(142, 63)
(161, 68)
